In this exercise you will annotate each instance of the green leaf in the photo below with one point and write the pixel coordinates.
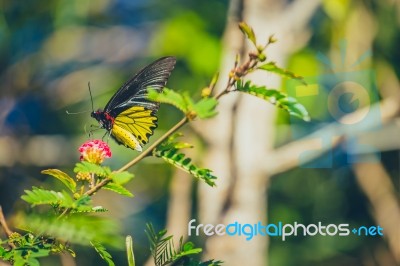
(205, 108)
(84, 205)
(272, 67)
(163, 250)
(161, 247)
(40, 196)
(101, 250)
(118, 189)
(121, 177)
(210, 263)
(168, 96)
(63, 177)
(248, 31)
(170, 143)
(169, 151)
(280, 99)
(129, 251)
(40, 253)
(86, 167)
(180, 160)
(80, 229)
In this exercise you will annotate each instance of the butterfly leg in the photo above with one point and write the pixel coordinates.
(92, 129)
(108, 134)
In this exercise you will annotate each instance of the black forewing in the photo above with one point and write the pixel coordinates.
(134, 92)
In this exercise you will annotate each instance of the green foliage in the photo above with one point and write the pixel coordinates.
(169, 97)
(121, 178)
(40, 196)
(169, 151)
(28, 248)
(273, 68)
(204, 108)
(101, 250)
(117, 188)
(60, 200)
(79, 229)
(91, 168)
(280, 99)
(129, 251)
(63, 177)
(163, 250)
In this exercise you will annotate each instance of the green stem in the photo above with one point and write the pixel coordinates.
(154, 145)
(139, 157)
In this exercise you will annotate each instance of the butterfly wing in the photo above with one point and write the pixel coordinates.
(134, 115)
(134, 91)
(134, 126)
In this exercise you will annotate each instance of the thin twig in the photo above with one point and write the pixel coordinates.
(6, 229)
(4, 223)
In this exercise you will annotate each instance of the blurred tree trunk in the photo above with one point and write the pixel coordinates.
(241, 137)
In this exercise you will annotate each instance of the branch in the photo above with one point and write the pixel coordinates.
(154, 145)
(378, 187)
(287, 156)
(300, 12)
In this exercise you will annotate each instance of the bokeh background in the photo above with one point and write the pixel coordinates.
(50, 50)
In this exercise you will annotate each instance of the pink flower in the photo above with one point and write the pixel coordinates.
(94, 151)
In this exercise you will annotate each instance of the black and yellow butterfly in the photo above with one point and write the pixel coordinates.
(129, 117)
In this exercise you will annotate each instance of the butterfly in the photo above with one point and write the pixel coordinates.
(129, 117)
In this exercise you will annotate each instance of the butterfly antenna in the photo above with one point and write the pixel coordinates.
(91, 98)
(76, 113)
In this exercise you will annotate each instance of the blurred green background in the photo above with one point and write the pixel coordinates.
(50, 50)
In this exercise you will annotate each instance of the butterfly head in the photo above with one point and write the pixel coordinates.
(105, 119)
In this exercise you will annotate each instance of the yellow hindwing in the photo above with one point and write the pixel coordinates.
(134, 126)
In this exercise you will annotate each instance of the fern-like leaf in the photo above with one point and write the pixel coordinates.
(161, 247)
(169, 97)
(179, 160)
(205, 108)
(80, 229)
(101, 250)
(163, 250)
(169, 151)
(38, 196)
(118, 189)
(280, 99)
(121, 177)
(273, 68)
